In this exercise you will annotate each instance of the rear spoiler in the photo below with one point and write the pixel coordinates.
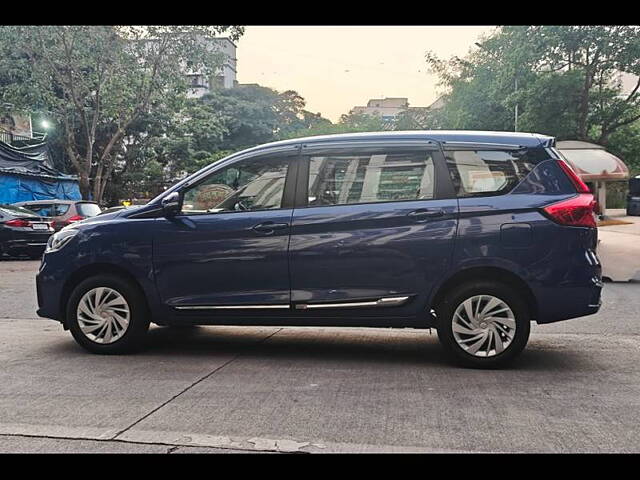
(548, 142)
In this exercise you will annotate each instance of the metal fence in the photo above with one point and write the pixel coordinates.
(11, 139)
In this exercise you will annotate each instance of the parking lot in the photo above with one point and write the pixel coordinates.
(576, 388)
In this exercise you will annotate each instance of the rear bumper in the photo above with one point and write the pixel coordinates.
(26, 245)
(562, 303)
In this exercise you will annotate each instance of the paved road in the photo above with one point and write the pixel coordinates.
(222, 389)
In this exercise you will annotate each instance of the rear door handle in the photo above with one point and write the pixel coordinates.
(269, 227)
(424, 214)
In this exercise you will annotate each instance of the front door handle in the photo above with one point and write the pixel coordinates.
(269, 227)
(425, 214)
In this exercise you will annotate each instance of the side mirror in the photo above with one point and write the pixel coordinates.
(172, 204)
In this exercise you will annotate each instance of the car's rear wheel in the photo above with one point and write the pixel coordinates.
(107, 314)
(483, 324)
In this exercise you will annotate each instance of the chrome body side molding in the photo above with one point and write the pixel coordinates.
(232, 307)
(381, 302)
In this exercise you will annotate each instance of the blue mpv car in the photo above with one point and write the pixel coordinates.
(473, 233)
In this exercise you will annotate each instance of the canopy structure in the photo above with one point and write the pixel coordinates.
(595, 166)
(592, 162)
(27, 173)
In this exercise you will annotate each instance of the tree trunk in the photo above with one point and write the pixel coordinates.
(97, 188)
(85, 187)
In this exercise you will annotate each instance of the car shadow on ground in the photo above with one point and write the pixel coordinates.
(344, 346)
(7, 258)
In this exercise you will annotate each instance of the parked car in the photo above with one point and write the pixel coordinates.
(22, 232)
(62, 212)
(473, 233)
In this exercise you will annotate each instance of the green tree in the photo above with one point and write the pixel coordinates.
(348, 123)
(98, 80)
(253, 114)
(165, 147)
(418, 119)
(566, 78)
(625, 143)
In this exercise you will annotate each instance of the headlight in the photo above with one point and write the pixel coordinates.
(60, 239)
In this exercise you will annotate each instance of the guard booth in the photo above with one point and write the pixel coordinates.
(595, 166)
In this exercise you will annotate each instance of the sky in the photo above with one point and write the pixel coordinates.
(338, 67)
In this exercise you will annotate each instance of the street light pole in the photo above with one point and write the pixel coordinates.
(516, 112)
(515, 121)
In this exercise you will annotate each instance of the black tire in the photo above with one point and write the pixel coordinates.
(445, 313)
(134, 335)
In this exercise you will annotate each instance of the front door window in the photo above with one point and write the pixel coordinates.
(256, 184)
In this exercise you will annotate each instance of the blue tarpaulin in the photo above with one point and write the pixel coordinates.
(21, 188)
(27, 174)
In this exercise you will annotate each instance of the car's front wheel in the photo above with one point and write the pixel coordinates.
(483, 324)
(107, 314)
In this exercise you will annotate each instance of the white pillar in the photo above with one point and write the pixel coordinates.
(602, 197)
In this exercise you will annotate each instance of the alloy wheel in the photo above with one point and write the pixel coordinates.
(484, 326)
(103, 315)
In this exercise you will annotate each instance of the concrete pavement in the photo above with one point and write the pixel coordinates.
(619, 248)
(576, 388)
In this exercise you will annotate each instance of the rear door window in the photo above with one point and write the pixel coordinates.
(370, 178)
(487, 172)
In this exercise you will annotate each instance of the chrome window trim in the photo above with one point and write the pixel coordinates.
(482, 146)
(289, 149)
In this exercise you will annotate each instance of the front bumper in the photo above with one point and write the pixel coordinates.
(49, 286)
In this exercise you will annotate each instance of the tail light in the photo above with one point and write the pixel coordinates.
(576, 211)
(18, 222)
(75, 218)
(581, 187)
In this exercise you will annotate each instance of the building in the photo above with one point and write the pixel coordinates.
(385, 108)
(437, 104)
(388, 109)
(626, 81)
(15, 128)
(224, 77)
